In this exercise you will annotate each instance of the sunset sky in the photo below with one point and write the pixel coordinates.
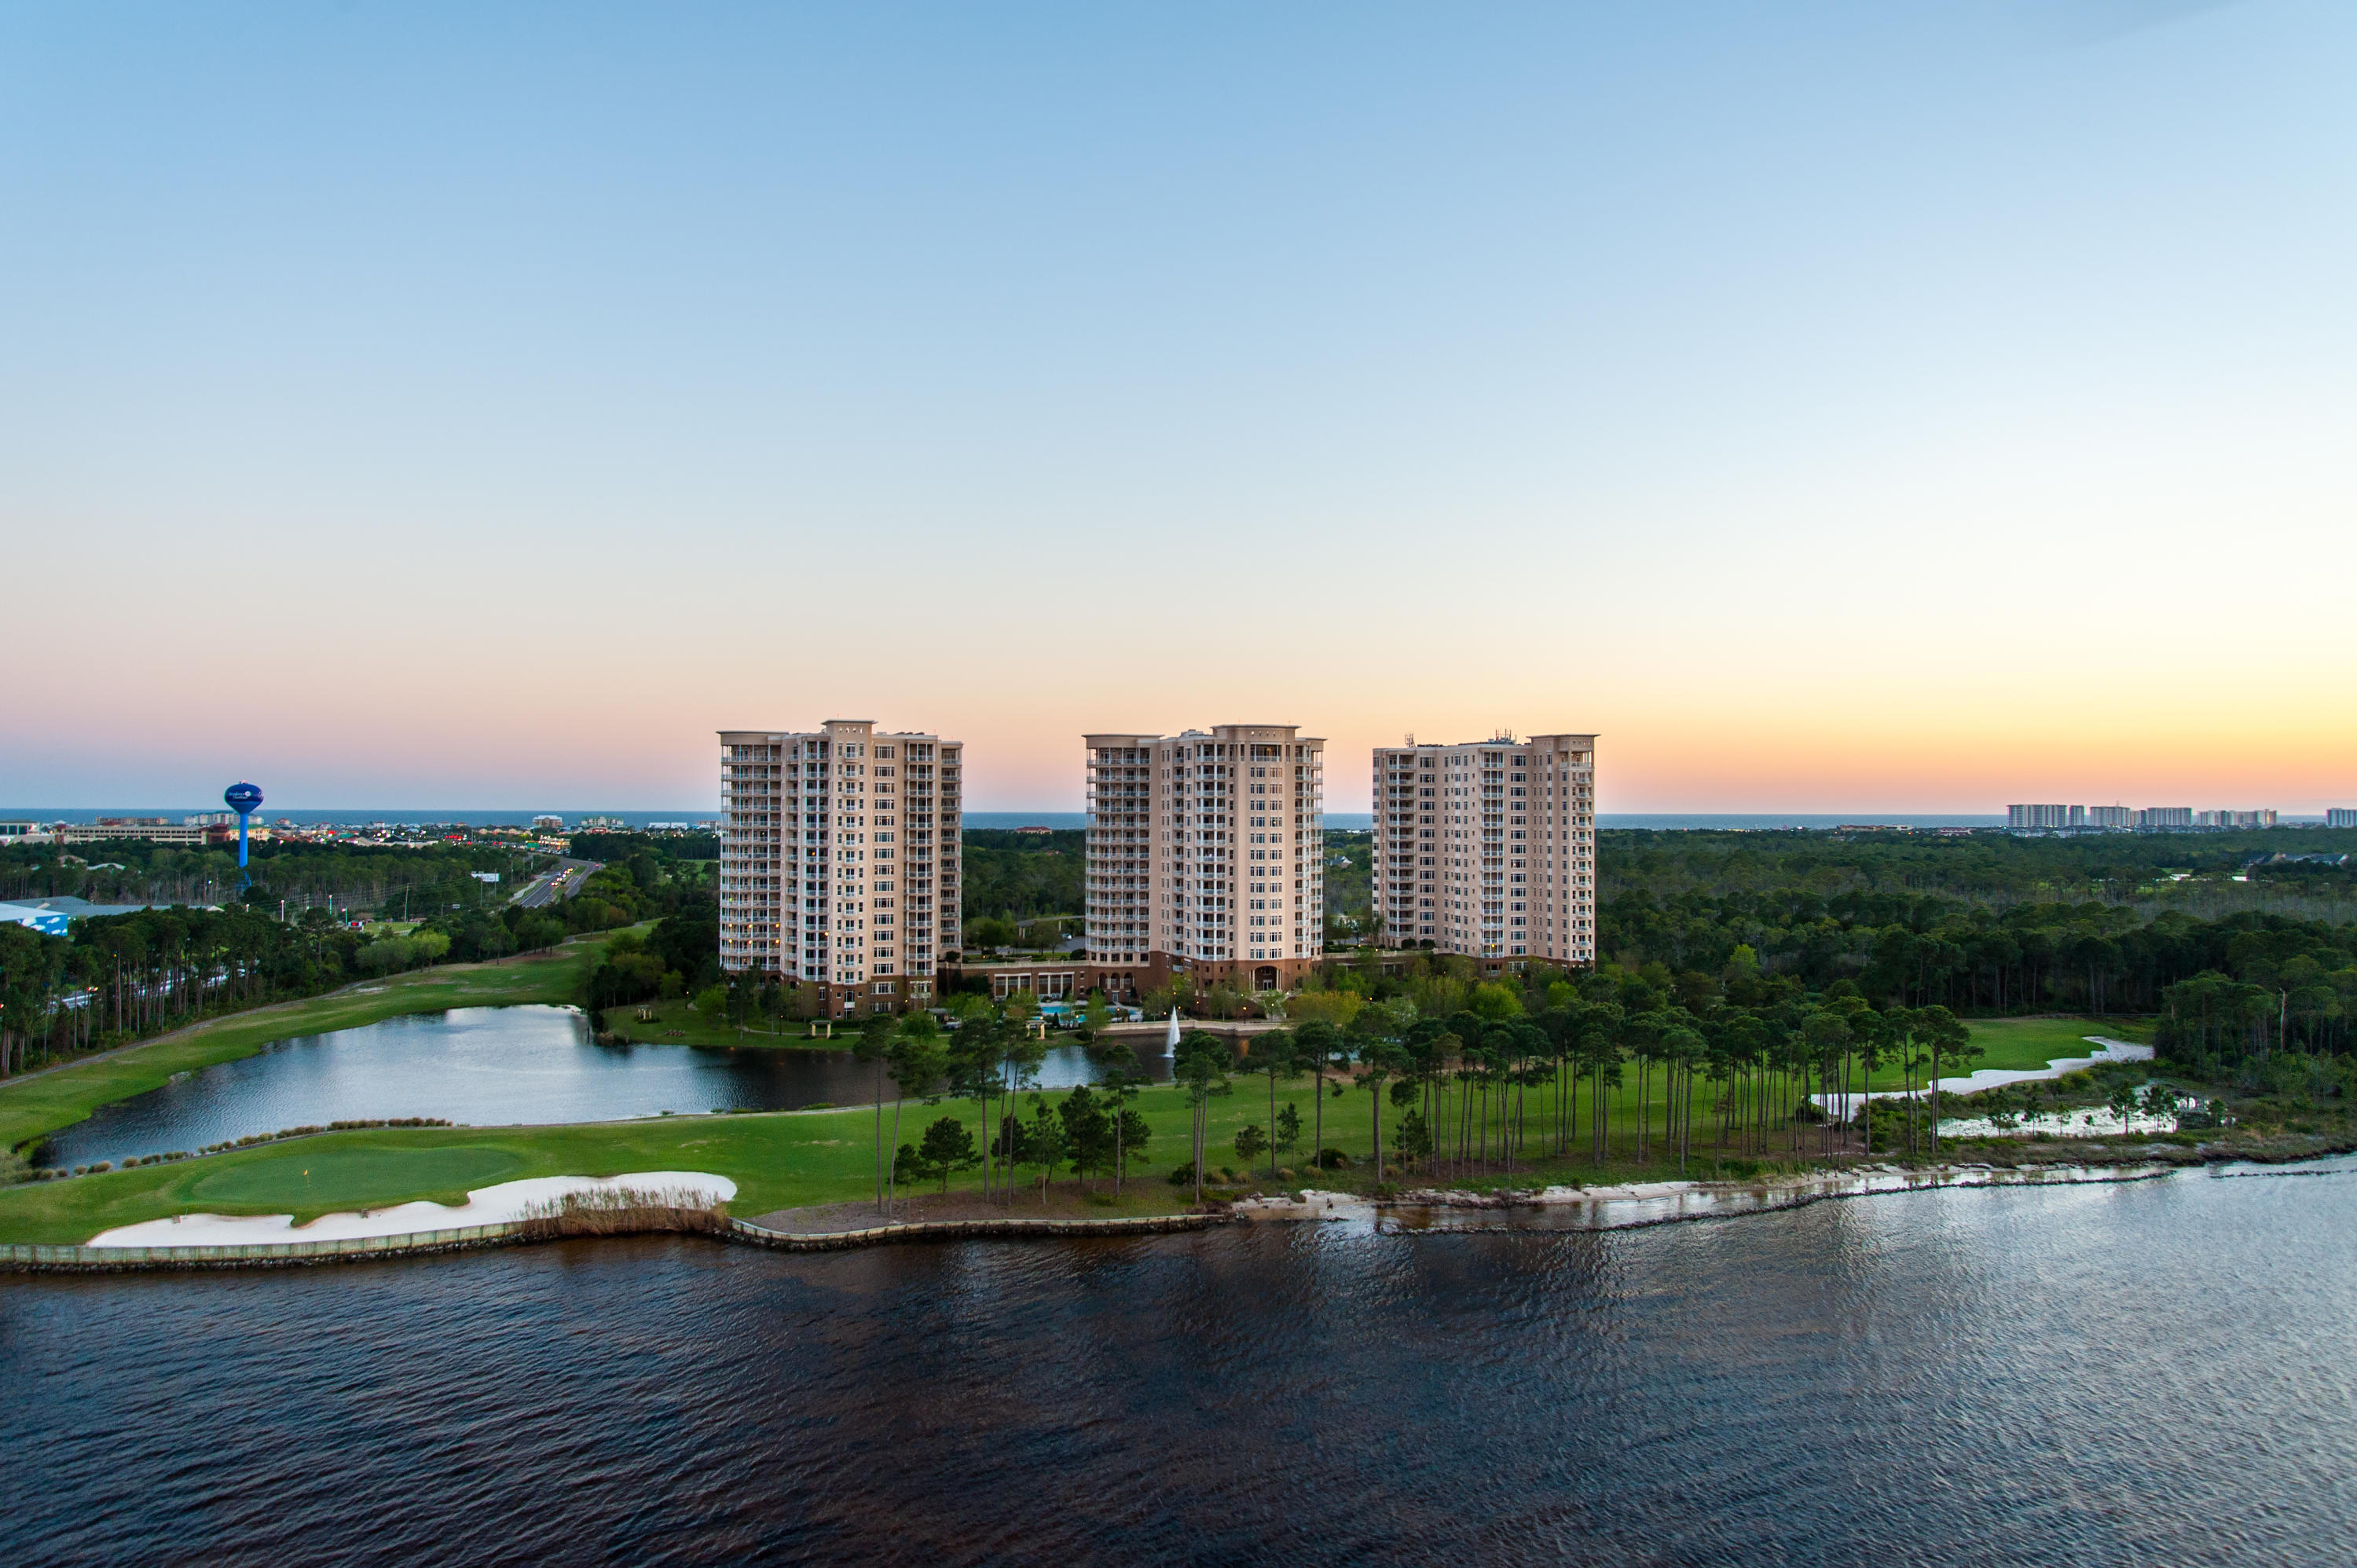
(1898, 407)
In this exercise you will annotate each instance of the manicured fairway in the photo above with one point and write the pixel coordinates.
(45, 1102)
(777, 1161)
(676, 1023)
(2030, 1043)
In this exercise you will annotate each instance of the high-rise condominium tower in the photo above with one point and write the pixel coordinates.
(839, 860)
(1489, 848)
(1206, 854)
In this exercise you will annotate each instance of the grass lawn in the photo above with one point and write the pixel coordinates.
(42, 1102)
(778, 1161)
(2018, 1044)
(677, 1024)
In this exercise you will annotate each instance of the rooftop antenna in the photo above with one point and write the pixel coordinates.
(243, 799)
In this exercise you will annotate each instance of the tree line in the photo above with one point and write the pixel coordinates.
(2196, 873)
(992, 1059)
(1922, 949)
(119, 978)
(1490, 1076)
(354, 877)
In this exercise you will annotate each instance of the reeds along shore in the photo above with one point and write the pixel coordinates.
(622, 1211)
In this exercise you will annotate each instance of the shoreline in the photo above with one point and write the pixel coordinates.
(1558, 1210)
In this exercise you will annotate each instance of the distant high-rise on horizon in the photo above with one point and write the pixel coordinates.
(1488, 848)
(2037, 820)
(1206, 855)
(840, 859)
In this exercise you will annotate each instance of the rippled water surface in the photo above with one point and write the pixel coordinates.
(482, 1065)
(2143, 1374)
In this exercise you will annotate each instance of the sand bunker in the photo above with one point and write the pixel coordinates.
(1843, 1105)
(485, 1206)
(1635, 1205)
(2087, 1122)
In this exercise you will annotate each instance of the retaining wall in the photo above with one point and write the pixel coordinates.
(27, 1258)
(968, 1230)
(254, 1254)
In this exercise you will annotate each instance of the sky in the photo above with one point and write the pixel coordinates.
(1915, 405)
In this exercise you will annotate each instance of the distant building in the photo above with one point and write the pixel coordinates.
(1043, 832)
(26, 833)
(2110, 817)
(156, 829)
(840, 859)
(2152, 817)
(603, 825)
(2039, 816)
(2227, 818)
(549, 822)
(2340, 817)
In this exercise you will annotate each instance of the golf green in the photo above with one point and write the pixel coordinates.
(309, 1180)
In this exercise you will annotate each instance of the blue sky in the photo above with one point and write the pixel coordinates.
(1911, 406)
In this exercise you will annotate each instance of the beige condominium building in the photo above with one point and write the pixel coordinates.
(1489, 848)
(839, 860)
(1206, 856)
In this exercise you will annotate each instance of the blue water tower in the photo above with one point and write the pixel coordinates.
(243, 799)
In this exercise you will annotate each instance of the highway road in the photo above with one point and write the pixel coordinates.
(562, 880)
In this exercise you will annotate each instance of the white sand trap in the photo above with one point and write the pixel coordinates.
(484, 1206)
(2087, 1122)
(1998, 1078)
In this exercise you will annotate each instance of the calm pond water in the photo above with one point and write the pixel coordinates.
(483, 1066)
(2162, 1373)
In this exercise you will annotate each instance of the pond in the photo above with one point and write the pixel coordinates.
(484, 1066)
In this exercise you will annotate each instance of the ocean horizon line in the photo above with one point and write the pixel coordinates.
(481, 816)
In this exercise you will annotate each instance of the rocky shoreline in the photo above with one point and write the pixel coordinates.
(1636, 1205)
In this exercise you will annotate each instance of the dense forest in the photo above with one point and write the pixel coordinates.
(664, 847)
(1012, 875)
(363, 878)
(2241, 955)
(1015, 877)
(2206, 874)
